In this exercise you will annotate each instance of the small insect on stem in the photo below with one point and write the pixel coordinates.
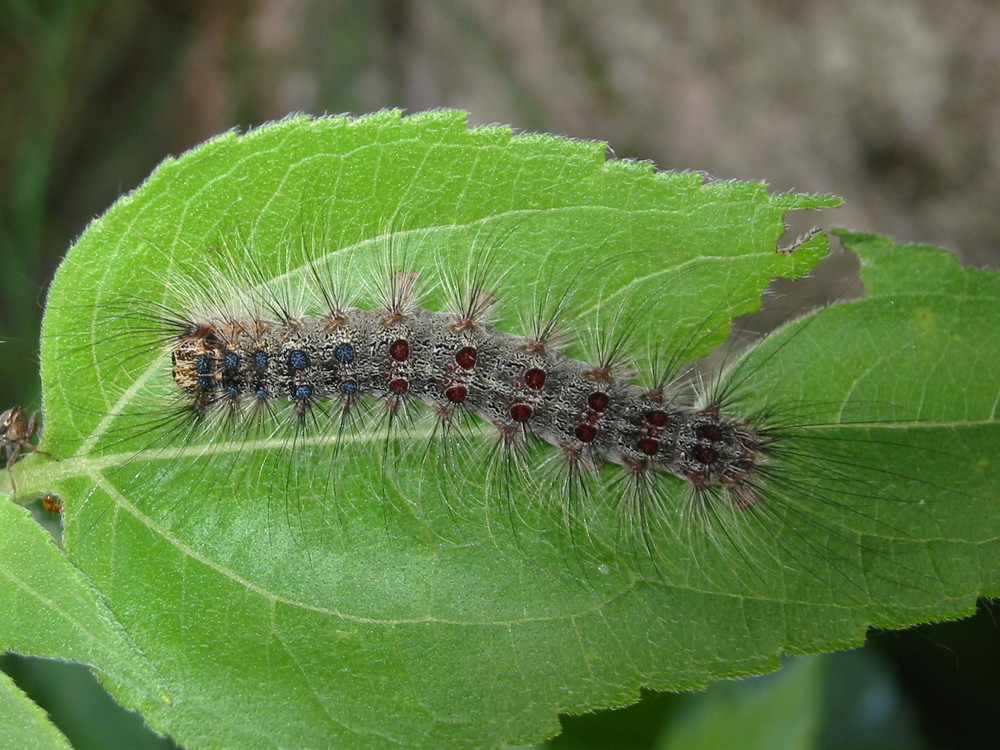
(16, 433)
(53, 504)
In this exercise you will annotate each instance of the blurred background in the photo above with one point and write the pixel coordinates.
(893, 104)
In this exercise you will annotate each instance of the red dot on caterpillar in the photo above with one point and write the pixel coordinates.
(598, 401)
(704, 454)
(399, 350)
(521, 412)
(466, 357)
(456, 393)
(656, 418)
(709, 432)
(649, 446)
(534, 378)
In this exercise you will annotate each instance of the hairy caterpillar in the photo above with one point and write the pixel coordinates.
(246, 368)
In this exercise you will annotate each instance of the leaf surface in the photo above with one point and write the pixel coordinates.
(292, 594)
(50, 610)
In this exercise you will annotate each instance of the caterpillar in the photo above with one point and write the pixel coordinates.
(242, 366)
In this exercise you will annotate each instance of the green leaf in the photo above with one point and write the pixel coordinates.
(296, 595)
(50, 610)
(23, 724)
